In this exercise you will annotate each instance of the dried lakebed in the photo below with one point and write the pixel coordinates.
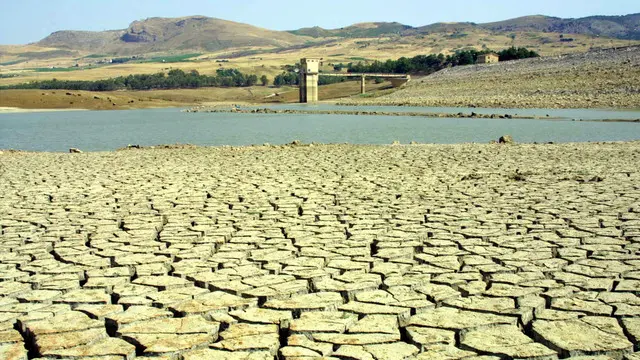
(339, 251)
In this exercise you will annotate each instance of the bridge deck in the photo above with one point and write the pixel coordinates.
(403, 76)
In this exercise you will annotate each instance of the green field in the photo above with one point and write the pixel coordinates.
(96, 56)
(171, 58)
(11, 62)
(60, 69)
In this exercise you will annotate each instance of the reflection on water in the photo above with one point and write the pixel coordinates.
(108, 130)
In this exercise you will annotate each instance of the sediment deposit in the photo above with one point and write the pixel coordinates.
(343, 251)
(597, 79)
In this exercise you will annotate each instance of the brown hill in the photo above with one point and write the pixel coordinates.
(619, 27)
(171, 34)
(360, 30)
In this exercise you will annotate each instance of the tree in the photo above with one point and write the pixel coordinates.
(514, 53)
(264, 80)
(251, 80)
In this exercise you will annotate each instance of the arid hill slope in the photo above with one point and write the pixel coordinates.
(171, 34)
(597, 79)
(619, 27)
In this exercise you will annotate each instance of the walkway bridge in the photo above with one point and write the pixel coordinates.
(309, 74)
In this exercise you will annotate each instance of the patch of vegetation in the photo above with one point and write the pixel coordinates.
(96, 56)
(457, 35)
(57, 69)
(172, 58)
(357, 58)
(327, 80)
(7, 76)
(286, 78)
(122, 60)
(11, 62)
(175, 79)
(427, 64)
(244, 53)
(47, 54)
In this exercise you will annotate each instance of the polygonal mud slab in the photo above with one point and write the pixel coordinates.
(578, 337)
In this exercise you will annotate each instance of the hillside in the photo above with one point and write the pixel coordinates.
(361, 30)
(193, 33)
(618, 27)
(597, 79)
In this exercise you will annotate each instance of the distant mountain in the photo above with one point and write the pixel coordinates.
(205, 34)
(446, 27)
(171, 34)
(620, 27)
(361, 30)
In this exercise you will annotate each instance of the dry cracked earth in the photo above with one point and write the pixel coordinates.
(336, 252)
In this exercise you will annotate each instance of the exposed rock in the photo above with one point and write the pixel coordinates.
(506, 139)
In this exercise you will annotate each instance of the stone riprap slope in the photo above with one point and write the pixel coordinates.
(606, 78)
(299, 252)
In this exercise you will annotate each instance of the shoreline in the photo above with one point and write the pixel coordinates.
(361, 113)
(221, 107)
(296, 144)
(13, 110)
(460, 115)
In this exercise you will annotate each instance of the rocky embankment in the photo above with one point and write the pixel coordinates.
(335, 251)
(598, 79)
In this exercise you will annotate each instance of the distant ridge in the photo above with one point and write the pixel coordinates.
(361, 30)
(171, 34)
(206, 34)
(619, 27)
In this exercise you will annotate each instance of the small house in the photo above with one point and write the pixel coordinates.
(488, 58)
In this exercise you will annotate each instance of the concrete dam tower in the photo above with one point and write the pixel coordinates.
(309, 69)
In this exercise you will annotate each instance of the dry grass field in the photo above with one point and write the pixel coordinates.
(270, 60)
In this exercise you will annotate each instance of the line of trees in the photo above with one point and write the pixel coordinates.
(423, 64)
(174, 79)
(292, 78)
(428, 64)
(288, 77)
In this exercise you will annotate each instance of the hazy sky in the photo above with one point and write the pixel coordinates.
(25, 21)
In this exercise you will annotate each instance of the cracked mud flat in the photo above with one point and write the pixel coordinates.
(341, 252)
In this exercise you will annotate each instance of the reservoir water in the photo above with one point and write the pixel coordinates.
(109, 130)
